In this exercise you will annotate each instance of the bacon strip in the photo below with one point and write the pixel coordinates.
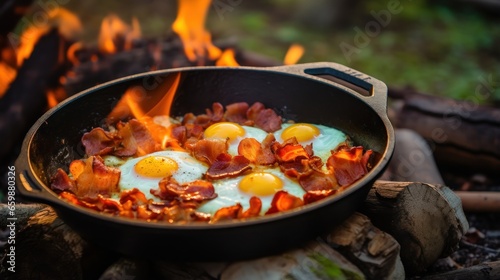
(227, 213)
(170, 189)
(137, 140)
(99, 142)
(263, 118)
(135, 196)
(349, 164)
(283, 201)
(226, 166)
(254, 209)
(207, 150)
(237, 112)
(97, 178)
(61, 181)
(289, 151)
(256, 152)
(313, 196)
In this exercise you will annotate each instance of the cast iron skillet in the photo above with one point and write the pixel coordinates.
(303, 92)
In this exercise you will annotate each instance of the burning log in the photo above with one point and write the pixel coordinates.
(462, 134)
(25, 99)
(427, 220)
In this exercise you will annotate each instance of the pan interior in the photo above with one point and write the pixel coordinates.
(56, 142)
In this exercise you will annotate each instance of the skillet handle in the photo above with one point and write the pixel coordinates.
(28, 188)
(371, 90)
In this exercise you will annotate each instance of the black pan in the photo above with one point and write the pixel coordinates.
(319, 93)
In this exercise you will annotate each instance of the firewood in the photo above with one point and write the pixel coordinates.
(25, 100)
(46, 248)
(484, 271)
(126, 268)
(427, 220)
(462, 134)
(480, 201)
(315, 261)
(373, 251)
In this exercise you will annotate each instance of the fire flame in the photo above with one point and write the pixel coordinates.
(227, 59)
(116, 34)
(190, 26)
(293, 54)
(68, 26)
(138, 102)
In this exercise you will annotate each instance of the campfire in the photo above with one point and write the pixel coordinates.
(46, 64)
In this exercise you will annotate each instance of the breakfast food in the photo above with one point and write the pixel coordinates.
(233, 162)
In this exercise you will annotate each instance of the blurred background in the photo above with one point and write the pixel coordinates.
(444, 48)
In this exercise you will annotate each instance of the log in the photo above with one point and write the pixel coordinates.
(480, 201)
(25, 100)
(484, 271)
(373, 251)
(427, 220)
(462, 134)
(46, 248)
(412, 160)
(315, 261)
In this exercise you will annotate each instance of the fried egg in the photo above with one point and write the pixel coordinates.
(323, 138)
(262, 183)
(146, 172)
(234, 133)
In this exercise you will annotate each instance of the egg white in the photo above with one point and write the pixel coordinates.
(228, 193)
(189, 169)
(328, 139)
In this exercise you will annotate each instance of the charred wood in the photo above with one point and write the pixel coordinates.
(25, 99)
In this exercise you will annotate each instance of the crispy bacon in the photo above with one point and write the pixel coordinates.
(349, 164)
(283, 201)
(99, 142)
(98, 203)
(227, 213)
(137, 140)
(263, 118)
(217, 112)
(254, 209)
(135, 196)
(97, 178)
(61, 181)
(198, 190)
(313, 196)
(289, 151)
(207, 150)
(317, 180)
(256, 152)
(227, 166)
(237, 112)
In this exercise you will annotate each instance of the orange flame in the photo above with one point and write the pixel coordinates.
(190, 26)
(67, 23)
(227, 59)
(116, 34)
(138, 102)
(293, 54)
(7, 75)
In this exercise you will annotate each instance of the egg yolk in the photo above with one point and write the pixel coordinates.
(224, 130)
(302, 131)
(260, 184)
(156, 167)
